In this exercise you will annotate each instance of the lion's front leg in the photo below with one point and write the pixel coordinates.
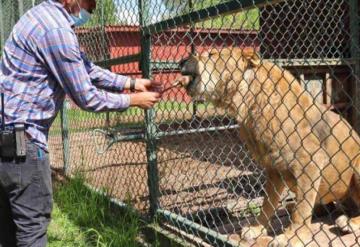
(273, 189)
(299, 233)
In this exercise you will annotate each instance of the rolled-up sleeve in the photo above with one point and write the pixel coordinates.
(104, 78)
(60, 50)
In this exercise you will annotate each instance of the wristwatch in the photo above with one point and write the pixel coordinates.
(132, 85)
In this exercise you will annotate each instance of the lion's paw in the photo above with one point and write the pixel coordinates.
(279, 241)
(293, 239)
(253, 232)
(343, 223)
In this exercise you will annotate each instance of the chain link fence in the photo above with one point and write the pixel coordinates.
(10, 11)
(186, 162)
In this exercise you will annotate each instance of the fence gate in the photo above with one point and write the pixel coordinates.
(261, 150)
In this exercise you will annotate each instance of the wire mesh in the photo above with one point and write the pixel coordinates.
(209, 177)
(10, 11)
(221, 168)
(119, 168)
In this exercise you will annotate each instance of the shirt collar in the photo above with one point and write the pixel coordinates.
(60, 6)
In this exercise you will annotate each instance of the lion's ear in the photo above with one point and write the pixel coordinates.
(251, 55)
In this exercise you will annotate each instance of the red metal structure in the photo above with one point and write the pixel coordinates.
(125, 40)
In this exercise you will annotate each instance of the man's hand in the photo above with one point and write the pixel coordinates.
(144, 100)
(146, 85)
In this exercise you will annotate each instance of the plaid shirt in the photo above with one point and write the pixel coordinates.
(42, 62)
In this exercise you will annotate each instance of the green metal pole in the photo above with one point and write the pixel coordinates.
(354, 30)
(106, 53)
(65, 136)
(192, 28)
(118, 60)
(21, 7)
(2, 30)
(193, 48)
(150, 131)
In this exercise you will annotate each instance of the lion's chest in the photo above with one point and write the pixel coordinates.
(259, 149)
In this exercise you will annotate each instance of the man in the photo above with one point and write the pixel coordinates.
(41, 64)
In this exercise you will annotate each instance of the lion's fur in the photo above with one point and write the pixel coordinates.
(297, 140)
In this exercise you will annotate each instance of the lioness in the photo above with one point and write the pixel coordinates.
(300, 144)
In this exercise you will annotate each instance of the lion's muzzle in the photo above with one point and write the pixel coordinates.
(188, 68)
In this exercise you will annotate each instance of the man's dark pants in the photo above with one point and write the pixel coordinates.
(25, 199)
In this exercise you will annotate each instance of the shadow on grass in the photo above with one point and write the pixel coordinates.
(99, 221)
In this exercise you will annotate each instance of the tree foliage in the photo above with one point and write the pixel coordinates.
(104, 14)
(248, 19)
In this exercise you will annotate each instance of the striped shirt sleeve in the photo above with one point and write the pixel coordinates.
(104, 78)
(60, 51)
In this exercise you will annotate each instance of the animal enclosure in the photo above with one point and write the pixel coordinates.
(183, 162)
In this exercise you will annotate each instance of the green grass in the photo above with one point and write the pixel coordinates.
(85, 218)
(63, 232)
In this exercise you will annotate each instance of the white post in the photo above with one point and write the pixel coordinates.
(328, 90)
(21, 7)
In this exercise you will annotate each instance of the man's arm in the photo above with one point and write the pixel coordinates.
(107, 80)
(104, 78)
(60, 51)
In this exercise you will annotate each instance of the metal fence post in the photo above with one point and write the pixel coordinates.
(150, 132)
(2, 30)
(65, 135)
(193, 49)
(106, 54)
(354, 32)
(20, 7)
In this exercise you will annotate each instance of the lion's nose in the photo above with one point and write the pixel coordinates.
(185, 70)
(187, 66)
(182, 64)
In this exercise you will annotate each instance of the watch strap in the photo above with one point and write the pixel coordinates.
(132, 85)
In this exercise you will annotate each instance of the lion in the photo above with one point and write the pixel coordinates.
(301, 145)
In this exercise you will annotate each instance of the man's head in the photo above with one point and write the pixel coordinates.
(74, 6)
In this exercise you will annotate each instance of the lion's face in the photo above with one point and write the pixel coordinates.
(213, 70)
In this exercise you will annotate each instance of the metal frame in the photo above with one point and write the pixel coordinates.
(21, 7)
(119, 60)
(153, 178)
(65, 136)
(151, 134)
(2, 31)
